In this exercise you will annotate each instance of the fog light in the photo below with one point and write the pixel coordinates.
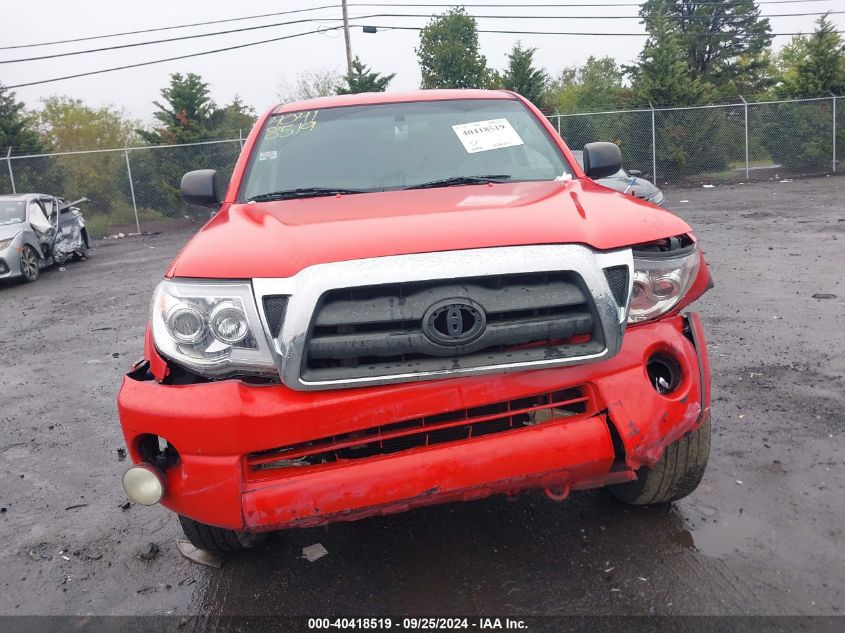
(144, 484)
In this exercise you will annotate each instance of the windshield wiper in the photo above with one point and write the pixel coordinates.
(304, 192)
(462, 180)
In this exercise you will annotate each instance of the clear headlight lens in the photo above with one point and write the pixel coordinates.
(660, 283)
(211, 328)
(5, 243)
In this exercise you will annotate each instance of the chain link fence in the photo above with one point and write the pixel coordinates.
(136, 189)
(130, 190)
(719, 143)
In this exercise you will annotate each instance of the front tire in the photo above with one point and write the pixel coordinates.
(29, 264)
(219, 540)
(676, 475)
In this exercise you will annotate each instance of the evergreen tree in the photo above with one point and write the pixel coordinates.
(362, 79)
(662, 75)
(814, 65)
(17, 128)
(714, 36)
(449, 54)
(522, 77)
(187, 114)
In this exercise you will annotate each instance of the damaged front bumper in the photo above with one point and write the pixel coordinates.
(249, 457)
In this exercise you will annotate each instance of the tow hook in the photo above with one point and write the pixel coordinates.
(559, 492)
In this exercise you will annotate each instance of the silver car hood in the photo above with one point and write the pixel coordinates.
(10, 230)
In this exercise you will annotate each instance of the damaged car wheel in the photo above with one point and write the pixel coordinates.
(29, 264)
(676, 475)
(219, 540)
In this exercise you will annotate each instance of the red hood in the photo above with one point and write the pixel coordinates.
(278, 239)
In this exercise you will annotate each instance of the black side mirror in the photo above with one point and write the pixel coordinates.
(602, 159)
(199, 188)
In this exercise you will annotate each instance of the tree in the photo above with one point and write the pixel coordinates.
(814, 65)
(362, 79)
(310, 84)
(597, 85)
(17, 128)
(688, 141)
(714, 35)
(234, 119)
(449, 55)
(187, 112)
(67, 124)
(522, 77)
(809, 66)
(662, 74)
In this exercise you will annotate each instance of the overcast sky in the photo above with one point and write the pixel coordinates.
(255, 73)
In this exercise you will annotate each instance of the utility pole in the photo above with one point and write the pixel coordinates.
(346, 36)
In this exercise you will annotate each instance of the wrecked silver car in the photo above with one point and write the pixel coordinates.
(630, 182)
(38, 230)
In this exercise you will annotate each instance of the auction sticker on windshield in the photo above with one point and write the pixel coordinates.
(483, 136)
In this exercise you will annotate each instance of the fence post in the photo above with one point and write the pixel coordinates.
(241, 137)
(833, 98)
(745, 105)
(131, 185)
(557, 114)
(11, 173)
(653, 146)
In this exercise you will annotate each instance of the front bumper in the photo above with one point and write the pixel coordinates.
(215, 426)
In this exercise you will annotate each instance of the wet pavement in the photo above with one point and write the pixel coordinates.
(762, 535)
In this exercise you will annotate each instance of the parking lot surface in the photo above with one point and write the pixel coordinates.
(762, 535)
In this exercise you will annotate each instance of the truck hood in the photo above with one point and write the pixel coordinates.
(278, 239)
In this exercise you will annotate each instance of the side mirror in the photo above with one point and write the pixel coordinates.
(199, 188)
(602, 159)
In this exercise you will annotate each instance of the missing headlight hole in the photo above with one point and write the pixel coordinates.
(664, 373)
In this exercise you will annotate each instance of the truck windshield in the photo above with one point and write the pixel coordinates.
(12, 211)
(399, 146)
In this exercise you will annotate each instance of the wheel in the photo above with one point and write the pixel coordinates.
(675, 476)
(29, 264)
(219, 540)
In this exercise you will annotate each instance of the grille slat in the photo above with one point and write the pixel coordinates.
(378, 330)
(409, 304)
(453, 426)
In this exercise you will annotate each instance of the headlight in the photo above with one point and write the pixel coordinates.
(5, 243)
(210, 328)
(660, 282)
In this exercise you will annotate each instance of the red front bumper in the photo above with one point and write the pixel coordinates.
(215, 426)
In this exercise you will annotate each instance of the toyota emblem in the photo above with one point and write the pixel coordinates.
(454, 322)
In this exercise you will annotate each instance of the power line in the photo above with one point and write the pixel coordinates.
(169, 28)
(623, 34)
(173, 39)
(373, 4)
(170, 59)
(360, 17)
(323, 30)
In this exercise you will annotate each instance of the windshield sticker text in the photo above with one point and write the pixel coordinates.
(483, 136)
(288, 125)
(268, 155)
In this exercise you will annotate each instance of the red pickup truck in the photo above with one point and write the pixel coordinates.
(408, 299)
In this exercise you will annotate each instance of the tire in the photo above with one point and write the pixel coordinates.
(218, 540)
(676, 475)
(29, 264)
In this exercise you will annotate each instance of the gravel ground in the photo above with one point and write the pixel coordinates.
(762, 535)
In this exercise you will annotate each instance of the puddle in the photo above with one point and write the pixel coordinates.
(719, 534)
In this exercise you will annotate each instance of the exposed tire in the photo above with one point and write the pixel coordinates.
(676, 475)
(219, 540)
(29, 264)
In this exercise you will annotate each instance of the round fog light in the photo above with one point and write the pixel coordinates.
(144, 484)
